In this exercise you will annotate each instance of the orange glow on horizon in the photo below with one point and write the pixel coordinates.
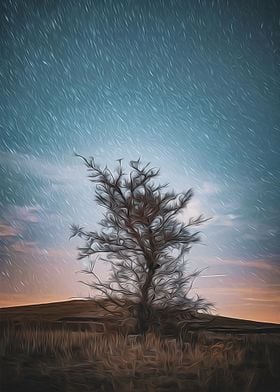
(252, 314)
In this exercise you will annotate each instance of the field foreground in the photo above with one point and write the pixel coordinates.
(67, 347)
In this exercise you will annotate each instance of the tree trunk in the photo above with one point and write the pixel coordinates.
(144, 311)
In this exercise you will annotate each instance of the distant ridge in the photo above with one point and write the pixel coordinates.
(84, 310)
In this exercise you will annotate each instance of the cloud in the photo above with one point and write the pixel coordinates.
(234, 272)
(272, 264)
(252, 302)
(27, 248)
(272, 300)
(209, 188)
(226, 220)
(7, 230)
(58, 172)
(35, 274)
(213, 276)
(27, 213)
(16, 219)
(194, 209)
(40, 189)
(246, 289)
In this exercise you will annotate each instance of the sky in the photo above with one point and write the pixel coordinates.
(191, 86)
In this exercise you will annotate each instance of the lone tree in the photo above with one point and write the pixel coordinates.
(143, 240)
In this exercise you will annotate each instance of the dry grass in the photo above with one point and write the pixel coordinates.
(41, 358)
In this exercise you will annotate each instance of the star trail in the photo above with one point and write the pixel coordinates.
(191, 86)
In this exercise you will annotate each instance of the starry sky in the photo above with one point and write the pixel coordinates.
(191, 86)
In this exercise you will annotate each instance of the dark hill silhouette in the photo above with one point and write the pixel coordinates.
(86, 311)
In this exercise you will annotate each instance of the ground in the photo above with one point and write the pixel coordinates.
(69, 346)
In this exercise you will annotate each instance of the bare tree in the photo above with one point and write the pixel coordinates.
(143, 240)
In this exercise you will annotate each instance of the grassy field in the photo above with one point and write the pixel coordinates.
(47, 356)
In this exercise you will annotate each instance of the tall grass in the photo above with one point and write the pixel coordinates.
(79, 361)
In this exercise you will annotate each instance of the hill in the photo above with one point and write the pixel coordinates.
(87, 311)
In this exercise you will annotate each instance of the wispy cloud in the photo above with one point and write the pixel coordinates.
(41, 273)
(58, 171)
(7, 230)
(269, 264)
(209, 188)
(254, 302)
(26, 213)
(226, 220)
(213, 276)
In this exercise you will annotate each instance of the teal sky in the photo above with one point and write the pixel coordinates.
(192, 87)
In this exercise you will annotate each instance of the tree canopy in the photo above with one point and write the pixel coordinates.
(142, 239)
